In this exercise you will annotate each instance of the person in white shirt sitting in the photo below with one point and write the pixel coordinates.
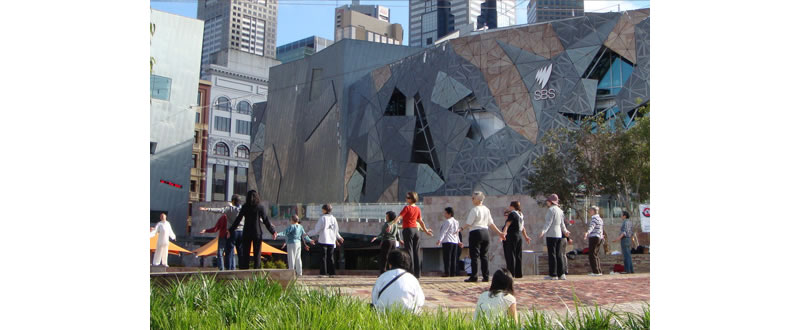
(397, 288)
(499, 301)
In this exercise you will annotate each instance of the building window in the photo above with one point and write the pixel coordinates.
(159, 87)
(153, 147)
(196, 137)
(222, 124)
(221, 149)
(240, 181)
(194, 160)
(242, 152)
(194, 186)
(243, 107)
(220, 183)
(223, 103)
(242, 127)
(196, 117)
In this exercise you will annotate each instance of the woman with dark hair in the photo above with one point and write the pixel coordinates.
(389, 236)
(499, 300)
(252, 211)
(625, 235)
(411, 218)
(396, 288)
(328, 230)
(514, 229)
(449, 237)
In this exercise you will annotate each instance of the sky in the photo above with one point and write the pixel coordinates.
(298, 19)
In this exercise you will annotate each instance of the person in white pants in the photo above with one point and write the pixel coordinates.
(165, 233)
(294, 234)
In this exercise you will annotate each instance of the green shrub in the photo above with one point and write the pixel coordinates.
(204, 303)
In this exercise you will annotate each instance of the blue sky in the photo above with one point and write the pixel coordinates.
(298, 19)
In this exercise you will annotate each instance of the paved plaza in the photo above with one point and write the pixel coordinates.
(621, 291)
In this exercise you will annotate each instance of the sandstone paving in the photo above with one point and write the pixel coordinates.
(620, 292)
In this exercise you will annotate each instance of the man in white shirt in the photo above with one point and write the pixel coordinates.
(164, 231)
(479, 220)
(448, 238)
(397, 288)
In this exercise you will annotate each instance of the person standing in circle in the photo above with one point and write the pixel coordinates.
(448, 238)
(411, 218)
(389, 236)
(235, 241)
(328, 230)
(554, 228)
(165, 233)
(479, 220)
(595, 235)
(252, 212)
(514, 229)
(625, 235)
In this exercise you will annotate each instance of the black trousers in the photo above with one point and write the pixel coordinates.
(563, 246)
(411, 241)
(479, 245)
(594, 250)
(450, 257)
(512, 248)
(244, 257)
(386, 247)
(327, 265)
(555, 261)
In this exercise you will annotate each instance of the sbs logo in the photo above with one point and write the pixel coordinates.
(542, 76)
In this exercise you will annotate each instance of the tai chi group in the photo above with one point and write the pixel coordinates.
(239, 227)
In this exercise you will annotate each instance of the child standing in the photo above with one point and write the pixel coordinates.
(293, 235)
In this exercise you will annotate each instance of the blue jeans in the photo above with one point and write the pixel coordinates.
(625, 245)
(234, 241)
(220, 253)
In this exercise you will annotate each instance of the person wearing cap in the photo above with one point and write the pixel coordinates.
(595, 235)
(554, 229)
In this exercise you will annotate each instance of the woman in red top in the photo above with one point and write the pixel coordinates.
(411, 216)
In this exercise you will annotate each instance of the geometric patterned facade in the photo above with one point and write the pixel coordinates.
(365, 122)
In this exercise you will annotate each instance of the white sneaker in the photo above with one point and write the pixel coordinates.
(593, 274)
(562, 277)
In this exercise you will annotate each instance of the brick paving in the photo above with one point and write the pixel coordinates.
(627, 292)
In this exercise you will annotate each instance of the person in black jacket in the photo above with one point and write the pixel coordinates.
(252, 211)
(514, 230)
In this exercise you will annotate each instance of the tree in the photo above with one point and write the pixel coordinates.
(554, 169)
(600, 157)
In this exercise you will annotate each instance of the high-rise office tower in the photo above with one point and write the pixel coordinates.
(246, 25)
(302, 48)
(548, 10)
(379, 12)
(430, 20)
(353, 24)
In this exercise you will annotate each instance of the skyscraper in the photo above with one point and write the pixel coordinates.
(429, 20)
(302, 48)
(353, 24)
(245, 25)
(548, 10)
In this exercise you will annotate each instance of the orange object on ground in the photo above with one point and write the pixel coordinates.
(173, 249)
(210, 249)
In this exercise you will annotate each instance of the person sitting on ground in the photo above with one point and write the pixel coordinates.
(499, 301)
(397, 288)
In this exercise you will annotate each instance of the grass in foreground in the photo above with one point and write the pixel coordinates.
(205, 303)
